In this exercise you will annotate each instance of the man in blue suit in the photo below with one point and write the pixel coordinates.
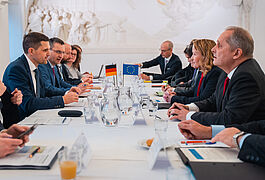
(54, 84)
(23, 74)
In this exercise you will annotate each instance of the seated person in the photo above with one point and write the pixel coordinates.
(24, 74)
(169, 63)
(249, 137)
(205, 84)
(54, 84)
(239, 96)
(9, 105)
(185, 74)
(70, 68)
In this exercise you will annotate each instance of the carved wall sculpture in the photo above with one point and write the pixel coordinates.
(99, 24)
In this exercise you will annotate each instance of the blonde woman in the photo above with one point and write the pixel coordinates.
(205, 84)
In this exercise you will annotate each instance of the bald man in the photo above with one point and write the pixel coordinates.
(169, 63)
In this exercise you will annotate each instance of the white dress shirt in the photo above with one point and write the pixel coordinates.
(32, 67)
(166, 61)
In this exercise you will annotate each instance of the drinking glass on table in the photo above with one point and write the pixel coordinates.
(68, 164)
(145, 100)
(161, 126)
(89, 113)
(153, 107)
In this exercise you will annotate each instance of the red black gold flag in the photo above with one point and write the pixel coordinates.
(111, 70)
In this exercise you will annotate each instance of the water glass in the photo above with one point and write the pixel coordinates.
(153, 107)
(145, 100)
(89, 114)
(161, 126)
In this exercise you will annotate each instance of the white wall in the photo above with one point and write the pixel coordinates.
(209, 26)
(16, 29)
(258, 32)
(4, 42)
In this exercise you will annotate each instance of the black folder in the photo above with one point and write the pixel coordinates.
(223, 170)
(164, 105)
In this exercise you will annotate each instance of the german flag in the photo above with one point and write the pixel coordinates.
(111, 70)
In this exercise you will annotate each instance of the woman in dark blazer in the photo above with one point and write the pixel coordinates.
(207, 78)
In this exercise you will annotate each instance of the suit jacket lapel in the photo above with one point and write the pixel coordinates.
(57, 77)
(24, 60)
(51, 75)
(162, 65)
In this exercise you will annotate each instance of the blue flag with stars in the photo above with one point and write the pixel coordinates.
(130, 69)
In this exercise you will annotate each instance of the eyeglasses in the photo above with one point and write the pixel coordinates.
(164, 50)
(58, 51)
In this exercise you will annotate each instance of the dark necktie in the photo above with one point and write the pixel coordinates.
(53, 72)
(37, 78)
(166, 61)
(225, 84)
(199, 87)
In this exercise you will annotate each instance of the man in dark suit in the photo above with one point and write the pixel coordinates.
(239, 95)
(249, 137)
(23, 74)
(54, 84)
(169, 63)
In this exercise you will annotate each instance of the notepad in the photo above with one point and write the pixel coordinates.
(44, 159)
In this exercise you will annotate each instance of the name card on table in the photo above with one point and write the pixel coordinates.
(138, 116)
(85, 154)
(156, 160)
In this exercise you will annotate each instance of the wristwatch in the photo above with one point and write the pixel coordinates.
(236, 136)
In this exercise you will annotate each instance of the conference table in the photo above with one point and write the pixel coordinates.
(116, 152)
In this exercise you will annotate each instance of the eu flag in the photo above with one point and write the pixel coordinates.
(130, 69)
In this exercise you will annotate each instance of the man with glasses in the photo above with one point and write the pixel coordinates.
(54, 84)
(24, 75)
(169, 63)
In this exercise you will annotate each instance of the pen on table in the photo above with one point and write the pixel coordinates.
(197, 142)
(34, 152)
(191, 142)
(63, 120)
(158, 117)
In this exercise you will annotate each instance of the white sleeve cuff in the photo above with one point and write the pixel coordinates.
(193, 107)
(216, 129)
(243, 139)
(66, 92)
(151, 77)
(188, 116)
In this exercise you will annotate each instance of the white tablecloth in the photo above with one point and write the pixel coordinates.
(115, 150)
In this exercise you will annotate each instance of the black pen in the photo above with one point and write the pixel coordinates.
(63, 120)
(34, 152)
(158, 117)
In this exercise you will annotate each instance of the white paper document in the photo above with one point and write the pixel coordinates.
(47, 120)
(40, 160)
(211, 154)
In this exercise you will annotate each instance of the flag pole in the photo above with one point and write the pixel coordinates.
(122, 75)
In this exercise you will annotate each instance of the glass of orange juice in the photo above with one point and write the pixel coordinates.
(68, 164)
